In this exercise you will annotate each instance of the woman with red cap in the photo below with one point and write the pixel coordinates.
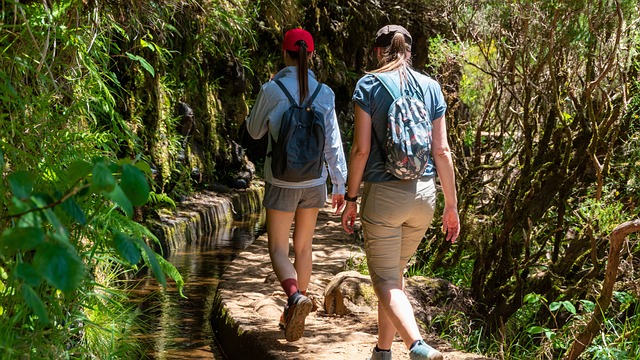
(395, 213)
(299, 202)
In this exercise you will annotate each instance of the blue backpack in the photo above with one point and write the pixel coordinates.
(298, 155)
(408, 141)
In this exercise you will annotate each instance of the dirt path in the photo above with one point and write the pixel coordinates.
(250, 301)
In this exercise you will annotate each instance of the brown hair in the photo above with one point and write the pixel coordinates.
(303, 78)
(396, 56)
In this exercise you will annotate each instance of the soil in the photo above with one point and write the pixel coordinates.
(250, 301)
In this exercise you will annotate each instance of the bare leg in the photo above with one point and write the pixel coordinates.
(305, 224)
(399, 315)
(278, 230)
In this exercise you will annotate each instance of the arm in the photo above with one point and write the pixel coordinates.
(257, 121)
(444, 166)
(337, 164)
(357, 162)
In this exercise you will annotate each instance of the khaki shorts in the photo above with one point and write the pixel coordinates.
(283, 199)
(395, 216)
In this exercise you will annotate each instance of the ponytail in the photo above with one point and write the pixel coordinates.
(395, 56)
(303, 68)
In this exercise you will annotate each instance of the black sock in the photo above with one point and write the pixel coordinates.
(378, 349)
(414, 344)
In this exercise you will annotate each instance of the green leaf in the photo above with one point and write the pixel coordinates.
(171, 270)
(134, 184)
(27, 219)
(569, 307)
(102, 180)
(144, 167)
(60, 265)
(588, 305)
(78, 170)
(151, 260)
(35, 303)
(20, 238)
(1, 161)
(43, 202)
(145, 64)
(126, 248)
(554, 306)
(21, 183)
(74, 211)
(120, 198)
(28, 273)
(532, 298)
(550, 334)
(536, 330)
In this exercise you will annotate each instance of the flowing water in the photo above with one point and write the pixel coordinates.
(179, 328)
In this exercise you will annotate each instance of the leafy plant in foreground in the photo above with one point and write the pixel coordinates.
(57, 240)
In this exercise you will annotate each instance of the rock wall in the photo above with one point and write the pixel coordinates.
(202, 213)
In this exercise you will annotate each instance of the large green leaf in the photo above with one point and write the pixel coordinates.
(102, 179)
(173, 272)
(60, 265)
(145, 64)
(28, 273)
(126, 247)
(35, 303)
(120, 198)
(77, 170)
(134, 185)
(74, 211)
(20, 238)
(151, 260)
(43, 201)
(144, 167)
(21, 183)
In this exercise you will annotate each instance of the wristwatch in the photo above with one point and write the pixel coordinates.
(349, 198)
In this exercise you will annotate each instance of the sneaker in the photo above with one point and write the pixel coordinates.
(422, 351)
(314, 308)
(380, 355)
(294, 316)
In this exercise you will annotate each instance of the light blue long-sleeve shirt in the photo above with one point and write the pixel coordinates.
(266, 116)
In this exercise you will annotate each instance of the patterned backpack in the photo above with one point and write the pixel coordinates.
(408, 142)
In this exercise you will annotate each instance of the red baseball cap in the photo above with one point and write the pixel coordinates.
(293, 36)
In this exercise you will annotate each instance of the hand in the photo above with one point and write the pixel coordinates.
(349, 216)
(337, 202)
(450, 223)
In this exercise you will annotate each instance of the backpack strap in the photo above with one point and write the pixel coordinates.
(313, 96)
(388, 84)
(291, 100)
(393, 89)
(286, 92)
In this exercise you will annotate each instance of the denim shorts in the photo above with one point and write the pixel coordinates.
(284, 199)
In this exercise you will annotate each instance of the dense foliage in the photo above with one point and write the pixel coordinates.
(111, 109)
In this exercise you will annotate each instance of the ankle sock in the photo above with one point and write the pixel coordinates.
(379, 350)
(290, 286)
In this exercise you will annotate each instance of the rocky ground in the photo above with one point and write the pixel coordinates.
(250, 301)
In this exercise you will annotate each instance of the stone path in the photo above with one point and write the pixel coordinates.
(249, 303)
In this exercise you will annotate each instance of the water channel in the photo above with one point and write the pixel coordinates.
(179, 328)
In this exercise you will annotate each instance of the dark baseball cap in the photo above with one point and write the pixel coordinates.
(386, 34)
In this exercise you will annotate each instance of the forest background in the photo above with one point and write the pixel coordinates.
(113, 109)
